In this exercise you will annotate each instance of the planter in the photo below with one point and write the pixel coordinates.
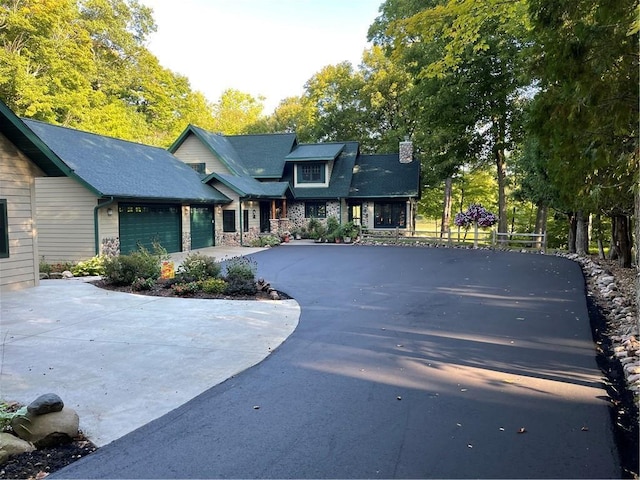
(347, 239)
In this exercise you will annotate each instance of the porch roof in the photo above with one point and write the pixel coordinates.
(249, 187)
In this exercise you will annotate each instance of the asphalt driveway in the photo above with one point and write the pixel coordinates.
(406, 363)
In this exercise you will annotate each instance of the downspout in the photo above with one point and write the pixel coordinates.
(241, 222)
(95, 222)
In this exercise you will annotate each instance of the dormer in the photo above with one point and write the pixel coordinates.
(313, 164)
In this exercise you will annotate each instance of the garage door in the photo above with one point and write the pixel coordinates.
(146, 224)
(201, 227)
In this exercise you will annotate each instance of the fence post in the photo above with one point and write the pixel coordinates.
(493, 238)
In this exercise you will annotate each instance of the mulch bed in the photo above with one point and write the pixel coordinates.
(40, 463)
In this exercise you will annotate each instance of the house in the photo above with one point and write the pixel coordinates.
(304, 181)
(24, 158)
(117, 195)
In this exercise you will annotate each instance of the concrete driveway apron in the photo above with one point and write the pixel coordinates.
(122, 360)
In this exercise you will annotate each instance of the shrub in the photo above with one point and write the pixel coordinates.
(241, 276)
(126, 269)
(187, 288)
(238, 286)
(333, 225)
(143, 284)
(44, 267)
(241, 268)
(269, 241)
(91, 267)
(213, 285)
(199, 267)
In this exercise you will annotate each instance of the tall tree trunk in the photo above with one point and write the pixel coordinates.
(636, 217)
(597, 225)
(622, 241)
(501, 170)
(571, 240)
(582, 233)
(446, 209)
(541, 223)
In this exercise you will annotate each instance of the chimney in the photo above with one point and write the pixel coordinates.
(406, 151)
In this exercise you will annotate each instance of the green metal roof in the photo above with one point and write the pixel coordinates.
(122, 169)
(28, 142)
(263, 155)
(383, 176)
(315, 152)
(249, 187)
(339, 182)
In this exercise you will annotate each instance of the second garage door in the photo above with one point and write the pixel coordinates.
(202, 227)
(142, 225)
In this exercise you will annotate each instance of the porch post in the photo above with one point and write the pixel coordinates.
(273, 209)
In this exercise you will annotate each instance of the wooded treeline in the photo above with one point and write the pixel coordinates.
(544, 92)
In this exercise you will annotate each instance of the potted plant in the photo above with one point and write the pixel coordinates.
(349, 232)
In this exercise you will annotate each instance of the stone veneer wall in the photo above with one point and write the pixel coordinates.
(186, 242)
(298, 220)
(110, 247)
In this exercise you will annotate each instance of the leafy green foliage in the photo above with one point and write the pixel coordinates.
(213, 285)
(8, 413)
(266, 241)
(186, 288)
(140, 284)
(91, 267)
(197, 266)
(127, 269)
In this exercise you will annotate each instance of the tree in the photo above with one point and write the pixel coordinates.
(466, 55)
(586, 114)
(333, 94)
(83, 64)
(236, 112)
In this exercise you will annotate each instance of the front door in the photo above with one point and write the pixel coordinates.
(265, 215)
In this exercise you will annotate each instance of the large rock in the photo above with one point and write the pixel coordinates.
(47, 403)
(12, 445)
(47, 430)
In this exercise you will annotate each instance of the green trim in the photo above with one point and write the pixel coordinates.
(4, 232)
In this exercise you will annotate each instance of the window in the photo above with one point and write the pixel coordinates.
(228, 221)
(198, 167)
(313, 172)
(245, 221)
(4, 230)
(390, 215)
(315, 210)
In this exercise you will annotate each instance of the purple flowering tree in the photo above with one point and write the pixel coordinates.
(478, 216)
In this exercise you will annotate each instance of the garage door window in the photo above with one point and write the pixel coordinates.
(228, 221)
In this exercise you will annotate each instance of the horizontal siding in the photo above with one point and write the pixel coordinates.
(193, 150)
(17, 172)
(65, 212)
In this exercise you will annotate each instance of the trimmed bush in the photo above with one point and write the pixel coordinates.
(213, 285)
(126, 269)
(199, 267)
(241, 276)
(143, 284)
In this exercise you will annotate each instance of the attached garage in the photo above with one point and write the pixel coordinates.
(142, 225)
(202, 227)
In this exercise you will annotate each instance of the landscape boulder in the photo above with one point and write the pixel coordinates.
(47, 403)
(12, 445)
(47, 430)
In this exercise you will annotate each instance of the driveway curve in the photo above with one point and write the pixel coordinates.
(406, 363)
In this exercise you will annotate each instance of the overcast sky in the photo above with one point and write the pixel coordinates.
(266, 48)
